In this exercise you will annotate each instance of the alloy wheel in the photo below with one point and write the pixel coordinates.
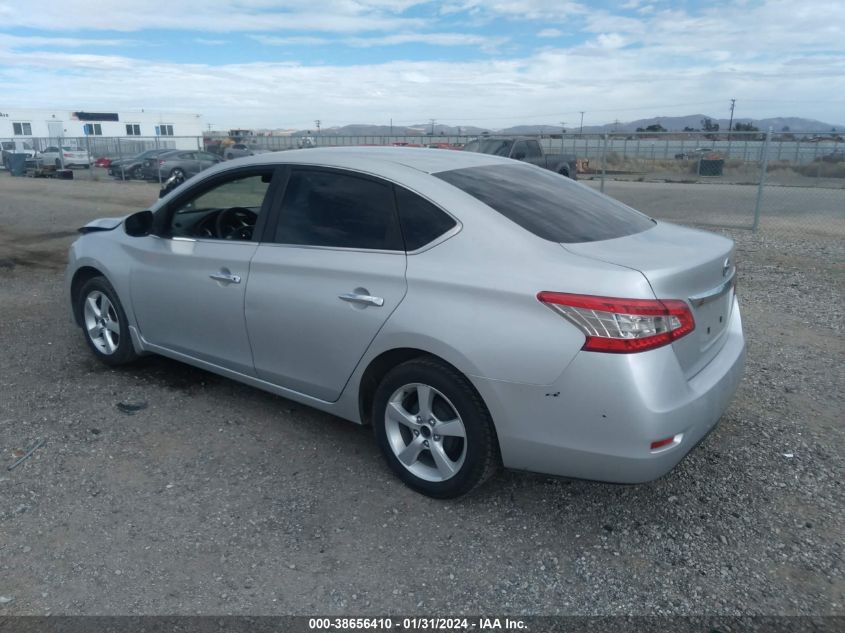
(101, 322)
(425, 432)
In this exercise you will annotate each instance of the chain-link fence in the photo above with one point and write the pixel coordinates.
(745, 180)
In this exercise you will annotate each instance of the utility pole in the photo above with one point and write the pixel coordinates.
(433, 121)
(563, 127)
(317, 123)
(581, 131)
(391, 126)
(730, 127)
(731, 122)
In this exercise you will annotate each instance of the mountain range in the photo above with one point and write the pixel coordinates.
(670, 123)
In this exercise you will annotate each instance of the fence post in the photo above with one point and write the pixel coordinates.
(763, 168)
(120, 158)
(603, 162)
(88, 151)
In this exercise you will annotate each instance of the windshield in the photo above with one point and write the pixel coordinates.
(495, 146)
(549, 205)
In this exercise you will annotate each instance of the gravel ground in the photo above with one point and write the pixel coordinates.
(218, 498)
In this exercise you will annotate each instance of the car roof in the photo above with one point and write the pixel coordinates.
(420, 158)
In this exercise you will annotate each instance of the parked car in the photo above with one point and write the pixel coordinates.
(16, 147)
(239, 150)
(186, 163)
(474, 310)
(67, 156)
(698, 152)
(103, 161)
(527, 150)
(133, 167)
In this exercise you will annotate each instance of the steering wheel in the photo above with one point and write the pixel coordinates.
(235, 223)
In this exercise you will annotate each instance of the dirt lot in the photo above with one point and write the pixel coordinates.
(218, 498)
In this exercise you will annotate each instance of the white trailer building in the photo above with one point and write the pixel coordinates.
(40, 127)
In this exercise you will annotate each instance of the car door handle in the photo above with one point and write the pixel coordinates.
(362, 299)
(226, 278)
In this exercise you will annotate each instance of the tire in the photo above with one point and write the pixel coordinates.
(178, 172)
(58, 164)
(564, 172)
(104, 323)
(462, 431)
(136, 174)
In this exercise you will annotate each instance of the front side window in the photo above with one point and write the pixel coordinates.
(22, 129)
(548, 205)
(227, 211)
(332, 209)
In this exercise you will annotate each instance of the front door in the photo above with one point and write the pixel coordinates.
(188, 284)
(322, 287)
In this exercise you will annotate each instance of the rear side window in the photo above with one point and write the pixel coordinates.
(327, 208)
(549, 205)
(421, 221)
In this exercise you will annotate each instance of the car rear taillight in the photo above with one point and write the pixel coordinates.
(161, 162)
(68, 155)
(622, 326)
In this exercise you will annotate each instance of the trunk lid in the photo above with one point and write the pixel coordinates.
(680, 263)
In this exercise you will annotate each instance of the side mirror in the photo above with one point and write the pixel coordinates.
(139, 224)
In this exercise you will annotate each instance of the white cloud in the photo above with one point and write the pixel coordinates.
(552, 10)
(293, 40)
(34, 41)
(434, 39)
(338, 16)
(762, 54)
(210, 42)
(550, 33)
(539, 88)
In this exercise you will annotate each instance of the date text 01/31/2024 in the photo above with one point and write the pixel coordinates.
(416, 624)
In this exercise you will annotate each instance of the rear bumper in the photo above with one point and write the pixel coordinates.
(598, 420)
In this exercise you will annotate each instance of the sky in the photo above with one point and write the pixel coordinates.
(490, 63)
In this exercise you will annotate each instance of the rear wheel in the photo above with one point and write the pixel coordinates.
(136, 173)
(177, 173)
(434, 429)
(104, 322)
(58, 163)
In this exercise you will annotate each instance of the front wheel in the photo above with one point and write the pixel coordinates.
(104, 322)
(434, 429)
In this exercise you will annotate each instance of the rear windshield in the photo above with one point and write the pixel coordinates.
(549, 205)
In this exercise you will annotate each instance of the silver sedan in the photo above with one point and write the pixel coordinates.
(476, 311)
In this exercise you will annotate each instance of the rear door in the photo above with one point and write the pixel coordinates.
(324, 282)
(534, 153)
(189, 162)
